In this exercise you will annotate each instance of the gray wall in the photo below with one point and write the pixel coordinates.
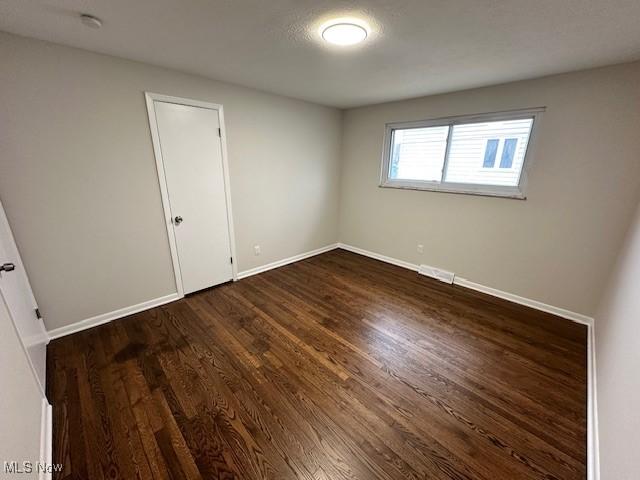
(79, 185)
(617, 335)
(557, 246)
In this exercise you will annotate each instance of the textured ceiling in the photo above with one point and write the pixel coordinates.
(416, 47)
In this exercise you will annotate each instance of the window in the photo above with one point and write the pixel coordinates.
(482, 154)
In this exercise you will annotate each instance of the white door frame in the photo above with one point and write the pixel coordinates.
(164, 191)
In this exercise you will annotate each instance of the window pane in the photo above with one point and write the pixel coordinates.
(507, 152)
(472, 142)
(490, 153)
(418, 153)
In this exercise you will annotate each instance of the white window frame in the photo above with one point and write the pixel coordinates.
(517, 192)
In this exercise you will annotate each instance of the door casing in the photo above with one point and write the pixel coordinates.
(164, 191)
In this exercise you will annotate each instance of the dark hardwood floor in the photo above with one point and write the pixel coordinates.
(335, 367)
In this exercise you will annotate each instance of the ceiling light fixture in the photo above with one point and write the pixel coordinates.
(344, 33)
(90, 21)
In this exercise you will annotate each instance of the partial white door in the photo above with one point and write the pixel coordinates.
(24, 412)
(191, 153)
(17, 294)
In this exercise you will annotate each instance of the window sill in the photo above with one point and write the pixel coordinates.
(513, 193)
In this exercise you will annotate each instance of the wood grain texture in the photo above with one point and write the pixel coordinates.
(336, 367)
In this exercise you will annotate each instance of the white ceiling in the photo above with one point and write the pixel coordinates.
(416, 47)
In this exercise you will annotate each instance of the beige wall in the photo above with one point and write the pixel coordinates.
(618, 363)
(79, 185)
(20, 401)
(558, 245)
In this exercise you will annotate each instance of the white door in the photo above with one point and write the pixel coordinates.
(191, 152)
(17, 294)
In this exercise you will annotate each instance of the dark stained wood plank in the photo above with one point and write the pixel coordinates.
(336, 367)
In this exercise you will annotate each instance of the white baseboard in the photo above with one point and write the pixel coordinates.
(286, 261)
(593, 463)
(46, 439)
(377, 256)
(560, 312)
(109, 316)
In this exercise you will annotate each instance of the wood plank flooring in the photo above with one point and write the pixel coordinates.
(336, 367)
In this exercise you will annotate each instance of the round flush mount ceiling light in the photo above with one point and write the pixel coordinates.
(344, 33)
(90, 21)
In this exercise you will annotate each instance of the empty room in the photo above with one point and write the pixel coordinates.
(320, 240)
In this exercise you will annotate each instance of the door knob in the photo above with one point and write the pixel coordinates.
(177, 220)
(7, 267)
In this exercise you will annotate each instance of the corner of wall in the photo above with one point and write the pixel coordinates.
(341, 161)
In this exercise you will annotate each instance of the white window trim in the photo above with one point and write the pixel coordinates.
(517, 192)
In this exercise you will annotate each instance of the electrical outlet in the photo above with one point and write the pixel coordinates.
(420, 248)
(256, 250)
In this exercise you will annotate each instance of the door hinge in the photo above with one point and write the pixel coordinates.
(38, 316)
(219, 132)
(231, 258)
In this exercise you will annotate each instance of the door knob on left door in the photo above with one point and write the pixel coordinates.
(7, 267)
(177, 220)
